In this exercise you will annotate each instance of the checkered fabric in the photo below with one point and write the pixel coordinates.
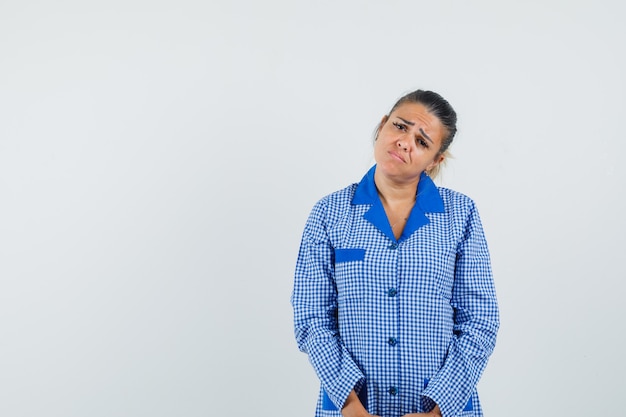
(407, 323)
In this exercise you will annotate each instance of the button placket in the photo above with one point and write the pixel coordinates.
(392, 341)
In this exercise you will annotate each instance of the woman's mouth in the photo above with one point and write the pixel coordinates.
(397, 156)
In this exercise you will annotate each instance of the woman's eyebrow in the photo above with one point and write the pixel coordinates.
(421, 130)
(426, 136)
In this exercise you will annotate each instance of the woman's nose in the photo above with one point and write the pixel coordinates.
(402, 144)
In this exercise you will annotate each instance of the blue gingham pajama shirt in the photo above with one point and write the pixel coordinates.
(406, 323)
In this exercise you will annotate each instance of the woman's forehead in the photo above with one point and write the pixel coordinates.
(418, 113)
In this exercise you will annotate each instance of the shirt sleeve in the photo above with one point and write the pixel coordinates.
(314, 300)
(476, 322)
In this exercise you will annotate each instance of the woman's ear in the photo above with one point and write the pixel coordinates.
(383, 121)
(380, 126)
(438, 159)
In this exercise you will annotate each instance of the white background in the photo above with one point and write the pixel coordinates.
(158, 160)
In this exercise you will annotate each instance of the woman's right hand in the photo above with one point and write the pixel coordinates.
(353, 407)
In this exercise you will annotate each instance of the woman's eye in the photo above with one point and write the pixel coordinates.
(422, 142)
(400, 126)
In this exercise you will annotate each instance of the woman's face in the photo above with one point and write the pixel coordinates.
(408, 142)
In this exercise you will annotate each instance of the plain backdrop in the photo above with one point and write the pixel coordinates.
(158, 160)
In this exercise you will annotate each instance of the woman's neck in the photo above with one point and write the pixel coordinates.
(393, 193)
(398, 200)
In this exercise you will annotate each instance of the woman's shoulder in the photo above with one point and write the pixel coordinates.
(455, 200)
(338, 200)
(327, 212)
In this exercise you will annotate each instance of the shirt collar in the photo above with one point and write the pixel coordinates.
(428, 200)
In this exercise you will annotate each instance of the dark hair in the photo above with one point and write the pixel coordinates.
(438, 107)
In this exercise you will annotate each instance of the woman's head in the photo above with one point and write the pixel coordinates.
(437, 108)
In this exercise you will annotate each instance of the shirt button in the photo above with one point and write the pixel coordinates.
(392, 341)
(392, 292)
(393, 246)
(393, 390)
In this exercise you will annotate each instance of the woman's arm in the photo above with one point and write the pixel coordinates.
(476, 322)
(314, 301)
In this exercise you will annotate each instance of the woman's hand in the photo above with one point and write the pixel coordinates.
(354, 408)
(435, 412)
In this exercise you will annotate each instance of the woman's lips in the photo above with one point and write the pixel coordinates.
(397, 156)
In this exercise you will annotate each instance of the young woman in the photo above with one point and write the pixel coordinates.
(393, 298)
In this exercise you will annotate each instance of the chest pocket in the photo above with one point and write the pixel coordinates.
(349, 272)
